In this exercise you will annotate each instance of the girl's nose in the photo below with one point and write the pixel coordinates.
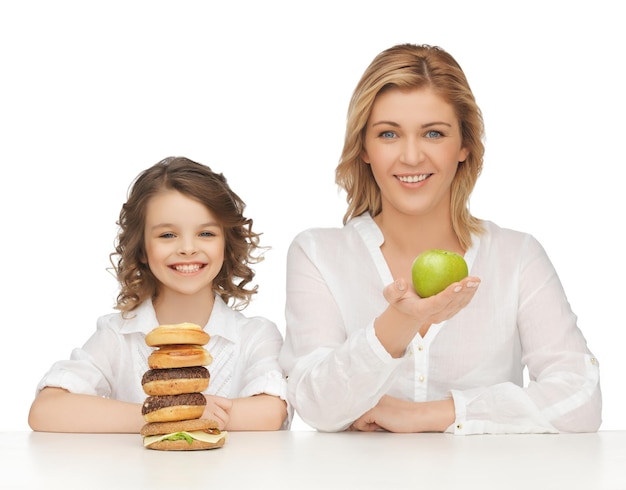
(187, 247)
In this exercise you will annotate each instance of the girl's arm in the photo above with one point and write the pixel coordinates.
(58, 410)
(258, 412)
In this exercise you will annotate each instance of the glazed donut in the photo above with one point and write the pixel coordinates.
(175, 381)
(170, 408)
(176, 356)
(180, 333)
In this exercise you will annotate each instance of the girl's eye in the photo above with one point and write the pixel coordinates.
(207, 234)
(433, 134)
(166, 235)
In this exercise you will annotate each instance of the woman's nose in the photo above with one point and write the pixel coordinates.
(412, 153)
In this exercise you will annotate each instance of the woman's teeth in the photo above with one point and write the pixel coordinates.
(411, 179)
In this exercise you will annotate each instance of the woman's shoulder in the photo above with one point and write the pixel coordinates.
(497, 236)
(497, 231)
(318, 233)
(355, 228)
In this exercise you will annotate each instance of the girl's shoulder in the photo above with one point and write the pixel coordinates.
(141, 319)
(235, 325)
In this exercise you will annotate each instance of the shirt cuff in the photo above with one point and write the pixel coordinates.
(272, 383)
(377, 348)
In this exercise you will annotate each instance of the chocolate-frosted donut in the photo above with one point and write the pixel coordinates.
(174, 381)
(169, 408)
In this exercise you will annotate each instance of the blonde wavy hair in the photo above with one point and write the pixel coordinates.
(411, 66)
(199, 182)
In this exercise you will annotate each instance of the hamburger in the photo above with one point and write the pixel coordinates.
(183, 435)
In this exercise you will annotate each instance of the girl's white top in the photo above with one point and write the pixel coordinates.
(114, 359)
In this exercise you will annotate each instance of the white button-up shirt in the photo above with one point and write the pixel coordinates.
(337, 369)
(114, 359)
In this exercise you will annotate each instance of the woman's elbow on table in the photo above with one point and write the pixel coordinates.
(586, 418)
(323, 420)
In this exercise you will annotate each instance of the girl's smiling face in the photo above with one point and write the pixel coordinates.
(184, 244)
(413, 144)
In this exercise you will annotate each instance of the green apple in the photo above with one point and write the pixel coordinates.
(434, 270)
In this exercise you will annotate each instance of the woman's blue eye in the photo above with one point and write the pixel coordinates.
(433, 134)
(388, 134)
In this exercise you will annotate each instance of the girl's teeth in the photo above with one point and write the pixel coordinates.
(411, 179)
(187, 268)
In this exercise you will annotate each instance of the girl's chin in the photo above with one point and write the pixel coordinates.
(200, 292)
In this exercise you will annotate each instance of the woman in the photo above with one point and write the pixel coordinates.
(362, 350)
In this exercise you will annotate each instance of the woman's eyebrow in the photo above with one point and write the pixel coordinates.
(427, 125)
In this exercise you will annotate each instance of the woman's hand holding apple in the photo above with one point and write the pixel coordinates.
(408, 314)
(436, 308)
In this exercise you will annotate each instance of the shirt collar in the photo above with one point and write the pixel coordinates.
(374, 238)
(222, 322)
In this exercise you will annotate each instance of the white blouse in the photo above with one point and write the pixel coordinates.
(337, 369)
(115, 357)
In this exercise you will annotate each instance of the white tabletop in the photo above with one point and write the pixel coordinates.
(309, 459)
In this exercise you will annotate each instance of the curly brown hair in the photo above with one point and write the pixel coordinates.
(199, 182)
(413, 66)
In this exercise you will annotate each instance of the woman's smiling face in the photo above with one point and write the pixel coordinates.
(413, 144)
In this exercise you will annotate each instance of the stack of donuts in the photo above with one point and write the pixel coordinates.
(174, 383)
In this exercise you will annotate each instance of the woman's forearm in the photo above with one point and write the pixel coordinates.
(396, 415)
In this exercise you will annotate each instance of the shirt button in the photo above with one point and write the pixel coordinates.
(459, 426)
(420, 347)
(421, 378)
(593, 360)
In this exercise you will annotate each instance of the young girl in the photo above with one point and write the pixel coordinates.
(182, 251)
(362, 350)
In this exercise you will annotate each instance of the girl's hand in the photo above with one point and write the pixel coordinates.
(218, 408)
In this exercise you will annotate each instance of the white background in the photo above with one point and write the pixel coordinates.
(91, 93)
